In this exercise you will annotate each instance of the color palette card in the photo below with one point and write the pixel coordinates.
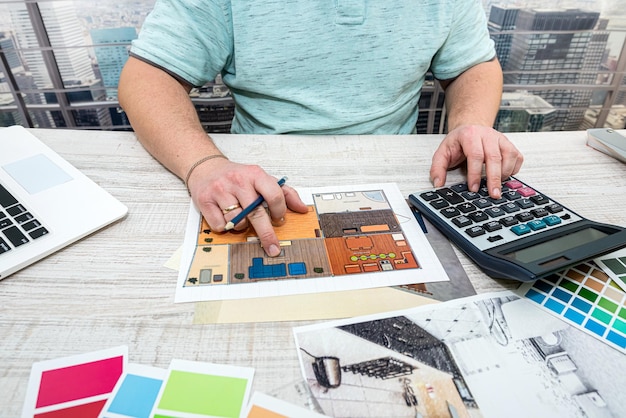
(196, 389)
(586, 297)
(73, 387)
(265, 406)
(136, 392)
(614, 264)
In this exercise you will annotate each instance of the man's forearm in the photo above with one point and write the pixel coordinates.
(473, 98)
(163, 117)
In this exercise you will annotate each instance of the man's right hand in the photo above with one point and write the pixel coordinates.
(221, 189)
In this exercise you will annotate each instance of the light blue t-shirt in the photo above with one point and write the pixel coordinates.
(317, 66)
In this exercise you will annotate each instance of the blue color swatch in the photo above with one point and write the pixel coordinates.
(136, 396)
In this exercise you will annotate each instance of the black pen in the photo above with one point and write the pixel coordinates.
(230, 225)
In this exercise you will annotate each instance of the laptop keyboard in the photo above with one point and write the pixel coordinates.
(17, 225)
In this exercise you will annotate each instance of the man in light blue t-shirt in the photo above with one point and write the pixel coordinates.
(311, 67)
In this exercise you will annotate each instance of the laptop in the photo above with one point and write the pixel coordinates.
(45, 203)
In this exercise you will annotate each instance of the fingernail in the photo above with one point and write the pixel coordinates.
(273, 251)
(436, 182)
(496, 192)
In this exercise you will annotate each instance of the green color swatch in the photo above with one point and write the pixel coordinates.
(203, 394)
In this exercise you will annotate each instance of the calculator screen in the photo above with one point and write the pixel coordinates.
(556, 246)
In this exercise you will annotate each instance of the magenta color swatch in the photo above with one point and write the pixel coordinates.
(79, 381)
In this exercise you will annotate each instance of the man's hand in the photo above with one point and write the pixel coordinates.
(478, 145)
(221, 189)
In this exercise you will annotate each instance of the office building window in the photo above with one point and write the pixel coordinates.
(564, 65)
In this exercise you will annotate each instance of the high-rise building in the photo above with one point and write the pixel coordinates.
(65, 35)
(556, 48)
(111, 48)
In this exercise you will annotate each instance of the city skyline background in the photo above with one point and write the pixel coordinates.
(62, 59)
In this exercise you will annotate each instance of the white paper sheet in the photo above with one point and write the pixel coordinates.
(385, 247)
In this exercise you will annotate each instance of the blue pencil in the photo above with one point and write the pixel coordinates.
(230, 225)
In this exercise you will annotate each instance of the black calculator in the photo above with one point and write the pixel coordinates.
(524, 235)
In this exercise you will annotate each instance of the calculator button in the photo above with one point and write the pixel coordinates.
(539, 212)
(509, 221)
(450, 212)
(462, 221)
(526, 191)
(510, 207)
(511, 195)
(495, 238)
(466, 207)
(459, 188)
(498, 201)
(478, 216)
(428, 196)
(475, 231)
(524, 217)
(552, 220)
(521, 229)
(450, 196)
(482, 203)
(540, 199)
(554, 208)
(513, 184)
(492, 226)
(537, 224)
(524, 203)
(470, 195)
(483, 191)
(439, 203)
(495, 212)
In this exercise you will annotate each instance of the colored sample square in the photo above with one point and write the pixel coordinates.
(554, 305)
(265, 406)
(543, 286)
(617, 339)
(608, 305)
(535, 296)
(80, 411)
(135, 396)
(204, 389)
(569, 285)
(561, 295)
(615, 265)
(575, 316)
(79, 382)
(595, 327)
(581, 304)
(602, 316)
(588, 294)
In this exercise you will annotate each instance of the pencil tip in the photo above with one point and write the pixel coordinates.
(229, 226)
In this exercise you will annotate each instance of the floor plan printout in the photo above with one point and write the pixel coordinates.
(353, 237)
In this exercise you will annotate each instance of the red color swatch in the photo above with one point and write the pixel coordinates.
(81, 411)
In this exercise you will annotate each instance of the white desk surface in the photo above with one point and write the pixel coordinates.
(112, 288)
